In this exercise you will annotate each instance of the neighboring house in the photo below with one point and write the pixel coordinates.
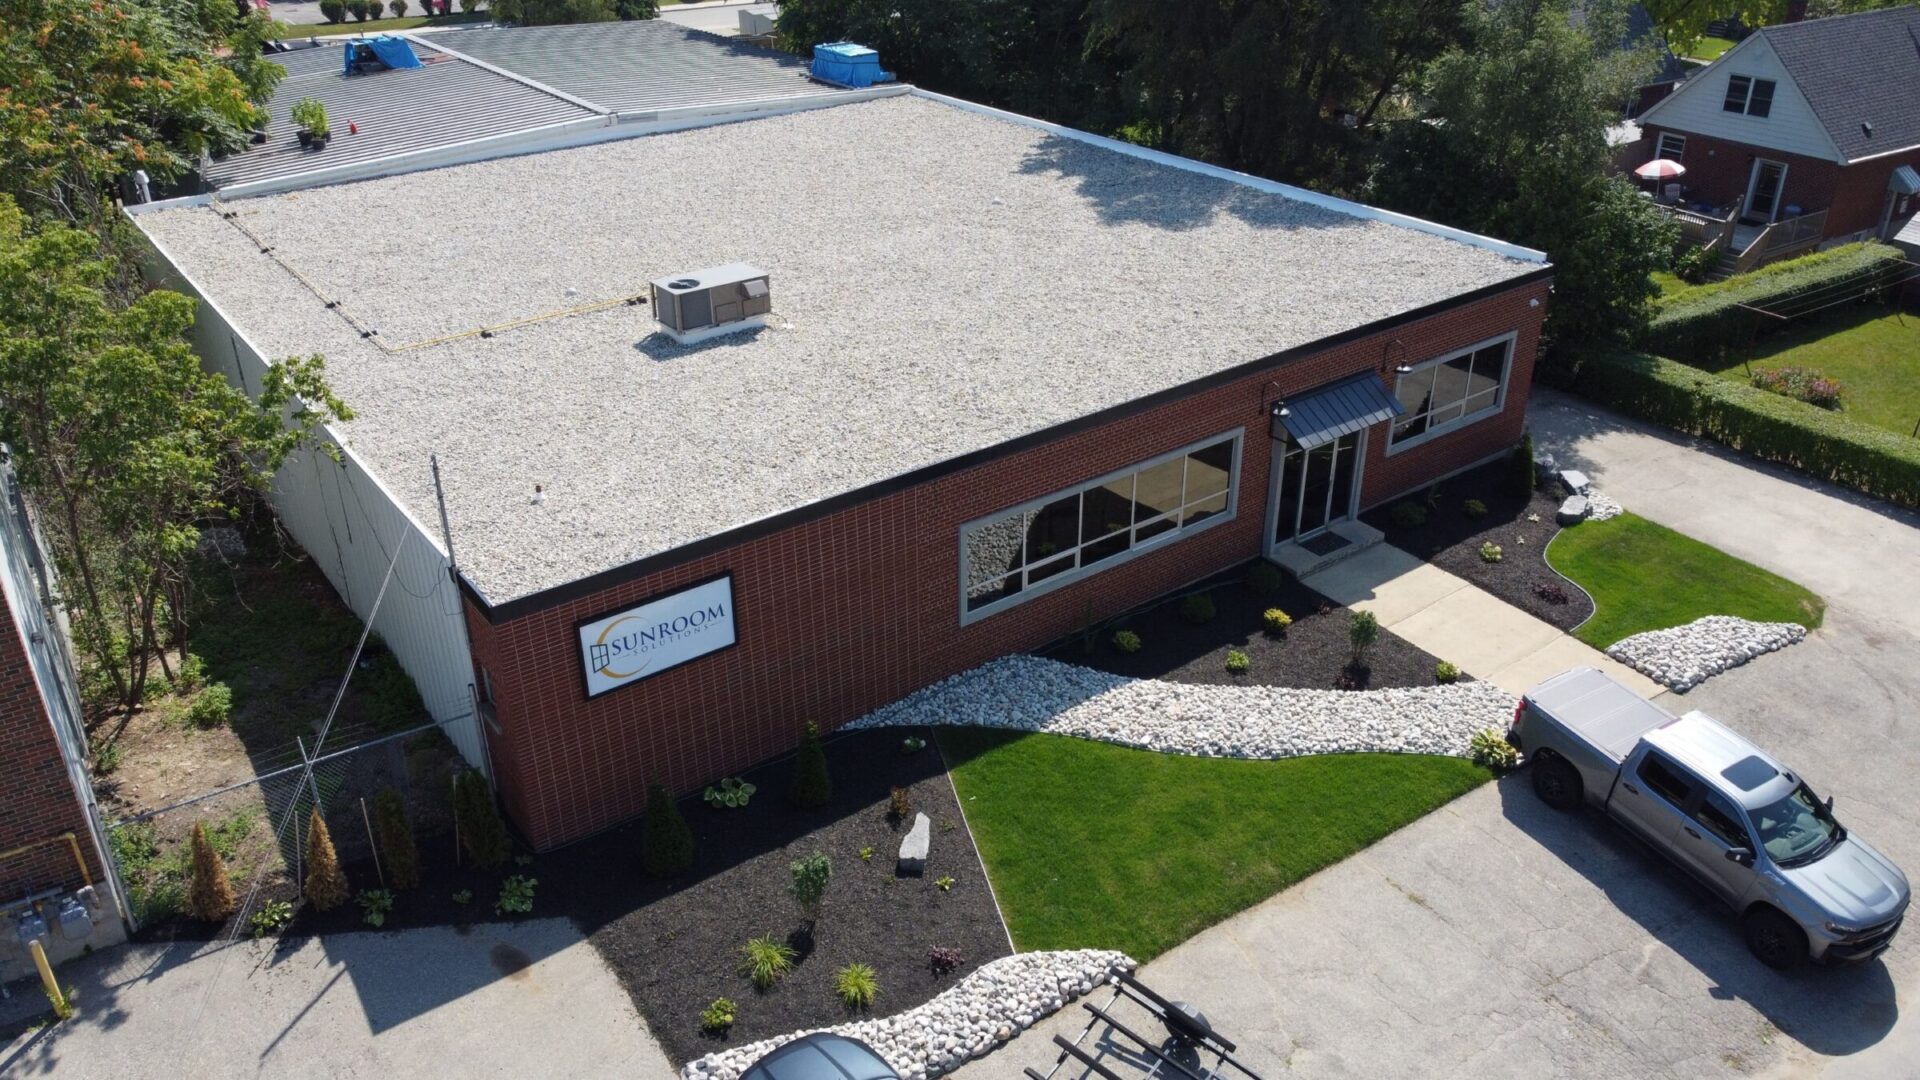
(1801, 135)
(1014, 380)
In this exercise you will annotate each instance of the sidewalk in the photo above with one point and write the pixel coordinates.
(1460, 622)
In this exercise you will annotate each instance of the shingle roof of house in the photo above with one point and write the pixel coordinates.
(447, 101)
(638, 67)
(1861, 75)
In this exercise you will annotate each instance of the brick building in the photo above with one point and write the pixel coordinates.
(999, 378)
(1812, 128)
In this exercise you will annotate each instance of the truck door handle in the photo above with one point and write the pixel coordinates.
(1689, 831)
(1629, 787)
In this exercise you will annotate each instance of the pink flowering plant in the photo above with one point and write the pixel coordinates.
(1804, 384)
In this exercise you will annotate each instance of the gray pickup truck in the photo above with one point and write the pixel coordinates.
(1737, 820)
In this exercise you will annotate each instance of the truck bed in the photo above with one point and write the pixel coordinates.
(1600, 712)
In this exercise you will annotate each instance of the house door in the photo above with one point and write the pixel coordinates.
(1763, 190)
(1313, 488)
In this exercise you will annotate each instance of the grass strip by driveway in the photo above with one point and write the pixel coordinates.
(1873, 351)
(1091, 845)
(1645, 576)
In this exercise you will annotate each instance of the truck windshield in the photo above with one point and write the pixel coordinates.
(1797, 829)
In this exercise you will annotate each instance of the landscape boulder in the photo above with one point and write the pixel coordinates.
(913, 850)
(1573, 511)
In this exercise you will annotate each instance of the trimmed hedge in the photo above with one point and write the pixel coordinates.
(1766, 425)
(1704, 322)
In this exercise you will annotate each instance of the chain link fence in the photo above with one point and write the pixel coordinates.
(259, 825)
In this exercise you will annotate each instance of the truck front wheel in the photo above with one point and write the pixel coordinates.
(1775, 939)
(1556, 781)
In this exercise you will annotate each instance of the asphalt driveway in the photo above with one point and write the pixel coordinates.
(1497, 938)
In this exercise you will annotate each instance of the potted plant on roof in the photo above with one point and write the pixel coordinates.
(311, 115)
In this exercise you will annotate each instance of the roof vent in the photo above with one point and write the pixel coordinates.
(707, 303)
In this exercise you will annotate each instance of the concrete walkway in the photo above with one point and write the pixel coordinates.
(1457, 621)
(524, 999)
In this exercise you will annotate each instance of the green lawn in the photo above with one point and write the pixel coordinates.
(1708, 49)
(1873, 351)
(1670, 283)
(1645, 576)
(1091, 845)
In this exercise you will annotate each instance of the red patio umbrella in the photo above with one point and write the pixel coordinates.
(1660, 169)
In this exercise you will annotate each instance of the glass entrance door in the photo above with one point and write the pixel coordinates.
(1313, 488)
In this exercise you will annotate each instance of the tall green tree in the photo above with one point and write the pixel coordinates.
(124, 443)
(1513, 143)
(91, 91)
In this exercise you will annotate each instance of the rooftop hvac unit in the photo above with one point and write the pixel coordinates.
(707, 303)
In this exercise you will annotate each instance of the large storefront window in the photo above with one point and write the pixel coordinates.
(1035, 548)
(1452, 391)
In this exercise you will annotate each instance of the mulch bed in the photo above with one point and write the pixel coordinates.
(1451, 540)
(675, 945)
(1312, 654)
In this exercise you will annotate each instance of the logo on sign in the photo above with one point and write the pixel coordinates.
(657, 635)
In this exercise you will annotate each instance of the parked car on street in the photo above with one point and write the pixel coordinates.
(1734, 818)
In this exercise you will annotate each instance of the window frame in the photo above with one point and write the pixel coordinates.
(1676, 771)
(1660, 146)
(1754, 83)
(1511, 339)
(1134, 550)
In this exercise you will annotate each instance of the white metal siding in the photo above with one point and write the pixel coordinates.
(1697, 106)
(351, 525)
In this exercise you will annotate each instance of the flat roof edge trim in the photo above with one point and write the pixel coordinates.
(206, 300)
(1271, 187)
(554, 595)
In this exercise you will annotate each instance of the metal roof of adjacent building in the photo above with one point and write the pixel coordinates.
(639, 67)
(448, 101)
(948, 284)
(1861, 75)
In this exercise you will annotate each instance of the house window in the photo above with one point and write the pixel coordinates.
(1452, 391)
(1671, 146)
(1753, 97)
(1036, 548)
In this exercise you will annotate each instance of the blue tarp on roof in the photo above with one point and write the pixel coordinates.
(392, 51)
(844, 63)
(1342, 408)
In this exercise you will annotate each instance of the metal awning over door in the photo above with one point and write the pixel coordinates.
(1342, 408)
(1905, 181)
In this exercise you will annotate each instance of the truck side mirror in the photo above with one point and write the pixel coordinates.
(1829, 806)
(1741, 855)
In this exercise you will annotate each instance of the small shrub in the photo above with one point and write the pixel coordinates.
(812, 783)
(334, 10)
(1238, 663)
(272, 917)
(899, 804)
(523, 860)
(1801, 384)
(1444, 672)
(866, 853)
(809, 885)
(399, 8)
(1276, 620)
(191, 675)
(311, 114)
(1264, 578)
(1474, 508)
(1363, 633)
(107, 758)
(1407, 515)
(391, 701)
(731, 792)
(212, 707)
(399, 856)
(482, 833)
(943, 960)
(516, 895)
(856, 985)
(469, 6)
(1522, 475)
(1491, 748)
(463, 896)
(666, 844)
(374, 905)
(326, 886)
(1693, 264)
(1490, 552)
(211, 896)
(1550, 592)
(1198, 609)
(912, 744)
(945, 883)
(719, 1016)
(1126, 641)
(765, 960)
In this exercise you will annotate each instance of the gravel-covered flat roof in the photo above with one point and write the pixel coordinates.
(943, 281)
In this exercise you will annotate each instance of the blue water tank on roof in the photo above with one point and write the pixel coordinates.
(844, 63)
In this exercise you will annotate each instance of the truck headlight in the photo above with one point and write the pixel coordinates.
(1836, 928)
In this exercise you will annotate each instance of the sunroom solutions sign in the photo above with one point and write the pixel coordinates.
(665, 632)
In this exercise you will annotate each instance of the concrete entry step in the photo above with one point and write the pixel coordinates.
(1342, 540)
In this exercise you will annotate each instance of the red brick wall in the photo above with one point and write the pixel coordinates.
(849, 611)
(39, 802)
(1718, 171)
